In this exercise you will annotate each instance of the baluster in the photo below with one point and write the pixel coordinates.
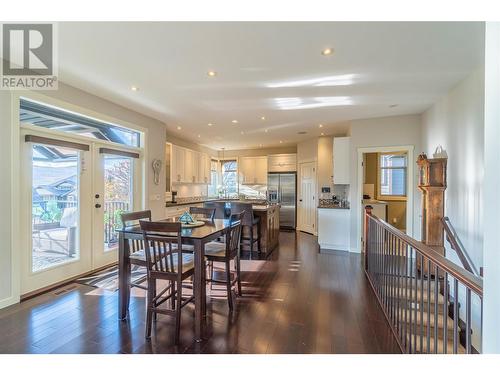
(415, 300)
(429, 278)
(445, 314)
(436, 310)
(468, 344)
(405, 265)
(455, 316)
(412, 348)
(422, 273)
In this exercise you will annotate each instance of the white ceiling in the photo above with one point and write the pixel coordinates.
(375, 65)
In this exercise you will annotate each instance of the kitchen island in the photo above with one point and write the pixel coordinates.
(269, 219)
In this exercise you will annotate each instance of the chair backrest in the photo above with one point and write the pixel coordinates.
(233, 234)
(204, 212)
(246, 209)
(163, 246)
(127, 218)
(220, 209)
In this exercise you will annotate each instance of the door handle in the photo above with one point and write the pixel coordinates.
(97, 205)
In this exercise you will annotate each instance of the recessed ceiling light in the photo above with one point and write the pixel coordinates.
(212, 73)
(322, 133)
(234, 121)
(327, 51)
(179, 128)
(320, 125)
(281, 141)
(266, 130)
(260, 145)
(242, 132)
(263, 118)
(210, 124)
(134, 88)
(199, 135)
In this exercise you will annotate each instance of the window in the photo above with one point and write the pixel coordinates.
(212, 188)
(229, 178)
(48, 117)
(392, 175)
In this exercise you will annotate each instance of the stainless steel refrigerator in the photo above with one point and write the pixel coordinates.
(281, 188)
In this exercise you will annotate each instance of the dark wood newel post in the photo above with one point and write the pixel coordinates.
(368, 213)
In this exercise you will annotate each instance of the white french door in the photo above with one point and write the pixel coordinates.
(73, 193)
(115, 191)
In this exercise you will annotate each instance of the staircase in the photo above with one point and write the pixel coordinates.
(420, 304)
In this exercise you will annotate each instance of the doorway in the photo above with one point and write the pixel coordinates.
(307, 198)
(385, 182)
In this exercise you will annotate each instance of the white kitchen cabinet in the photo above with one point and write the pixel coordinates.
(334, 229)
(188, 166)
(178, 164)
(341, 160)
(282, 163)
(253, 170)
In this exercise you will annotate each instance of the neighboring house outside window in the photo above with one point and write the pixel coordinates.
(392, 175)
(214, 180)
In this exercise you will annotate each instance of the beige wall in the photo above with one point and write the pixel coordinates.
(5, 201)
(378, 132)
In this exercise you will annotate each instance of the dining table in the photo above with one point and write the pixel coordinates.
(196, 236)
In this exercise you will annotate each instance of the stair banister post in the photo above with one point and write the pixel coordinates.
(368, 213)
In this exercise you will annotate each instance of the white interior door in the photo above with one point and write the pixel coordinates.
(307, 197)
(56, 215)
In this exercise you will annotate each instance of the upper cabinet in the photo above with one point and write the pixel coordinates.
(341, 160)
(253, 170)
(282, 163)
(189, 167)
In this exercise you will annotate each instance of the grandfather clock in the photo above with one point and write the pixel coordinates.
(432, 183)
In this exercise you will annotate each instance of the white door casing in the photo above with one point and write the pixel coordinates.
(307, 202)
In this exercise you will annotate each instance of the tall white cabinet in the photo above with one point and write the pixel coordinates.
(341, 160)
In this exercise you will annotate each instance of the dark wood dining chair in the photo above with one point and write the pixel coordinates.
(220, 209)
(137, 254)
(166, 261)
(207, 213)
(249, 222)
(224, 252)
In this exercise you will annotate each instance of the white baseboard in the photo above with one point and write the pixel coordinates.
(328, 246)
(6, 302)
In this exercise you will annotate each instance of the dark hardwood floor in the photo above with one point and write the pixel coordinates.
(297, 301)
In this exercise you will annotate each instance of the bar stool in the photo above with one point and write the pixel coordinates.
(249, 222)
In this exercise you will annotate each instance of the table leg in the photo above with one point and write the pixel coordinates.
(200, 290)
(123, 276)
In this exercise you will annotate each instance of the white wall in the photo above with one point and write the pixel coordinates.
(456, 123)
(491, 217)
(378, 132)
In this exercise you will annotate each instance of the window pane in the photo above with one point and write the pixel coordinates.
(393, 181)
(49, 117)
(55, 206)
(230, 177)
(397, 160)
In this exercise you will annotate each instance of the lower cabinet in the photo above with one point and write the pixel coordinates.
(334, 229)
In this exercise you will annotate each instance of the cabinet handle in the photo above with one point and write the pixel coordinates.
(178, 177)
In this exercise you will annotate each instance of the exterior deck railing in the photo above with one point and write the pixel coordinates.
(431, 304)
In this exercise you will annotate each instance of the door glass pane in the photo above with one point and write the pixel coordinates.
(118, 188)
(55, 206)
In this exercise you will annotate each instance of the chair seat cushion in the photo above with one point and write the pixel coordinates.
(215, 249)
(187, 262)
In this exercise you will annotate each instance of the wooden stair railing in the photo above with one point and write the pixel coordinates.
(456, 244)
(417, 289)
